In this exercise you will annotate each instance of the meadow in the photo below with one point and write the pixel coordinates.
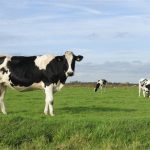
(116, 119)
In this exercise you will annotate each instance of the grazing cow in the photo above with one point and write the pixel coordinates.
(144, 85)
(100, 83)
(36, 72)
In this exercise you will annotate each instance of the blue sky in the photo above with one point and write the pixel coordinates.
(112, 35)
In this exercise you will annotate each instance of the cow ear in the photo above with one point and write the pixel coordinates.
(78, 58)
(59, 58)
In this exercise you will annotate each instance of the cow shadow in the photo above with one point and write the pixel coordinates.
(17, 111)
(82, 109)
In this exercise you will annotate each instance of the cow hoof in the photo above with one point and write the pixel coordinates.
(52, 115)
(46, 113)
(5, 113)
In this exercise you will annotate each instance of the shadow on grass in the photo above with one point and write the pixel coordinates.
(94, 109)
(17, 111)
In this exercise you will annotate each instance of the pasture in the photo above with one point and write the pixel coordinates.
(116, 119)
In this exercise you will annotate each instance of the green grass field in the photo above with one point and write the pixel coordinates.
(116, 119)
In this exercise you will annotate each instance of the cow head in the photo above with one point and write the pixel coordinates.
(147, 89)
(69, 60)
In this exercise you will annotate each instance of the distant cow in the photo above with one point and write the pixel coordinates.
(46, 72)
(144, 85)
(100, 84)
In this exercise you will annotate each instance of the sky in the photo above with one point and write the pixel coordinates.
(112, 35)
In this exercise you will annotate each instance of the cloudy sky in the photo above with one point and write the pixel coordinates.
(112, 35)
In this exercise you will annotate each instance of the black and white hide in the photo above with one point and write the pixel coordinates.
(100, 84)
(45, 72)
(144, 86)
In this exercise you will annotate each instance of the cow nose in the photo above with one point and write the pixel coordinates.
(70, 73)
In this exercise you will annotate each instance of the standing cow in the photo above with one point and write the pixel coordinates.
(144, 85)
(100, 84)
(36, 72)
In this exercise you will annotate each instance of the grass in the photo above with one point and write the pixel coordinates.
(116, 119)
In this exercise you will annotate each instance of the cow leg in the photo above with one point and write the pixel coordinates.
(101, 88)
(139, 90)
(2, 94)
(144, 93)
(104, 88)
(49, 100)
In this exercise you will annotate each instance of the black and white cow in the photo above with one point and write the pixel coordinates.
(36, 72)
(100, 84)
(144, 85)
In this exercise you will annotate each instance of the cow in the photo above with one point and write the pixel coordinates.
(46, 72)
(100, 84)
(144, 85)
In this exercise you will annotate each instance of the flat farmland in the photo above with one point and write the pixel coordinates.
(115, 119)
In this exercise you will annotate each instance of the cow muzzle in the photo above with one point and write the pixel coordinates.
(70, 74)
